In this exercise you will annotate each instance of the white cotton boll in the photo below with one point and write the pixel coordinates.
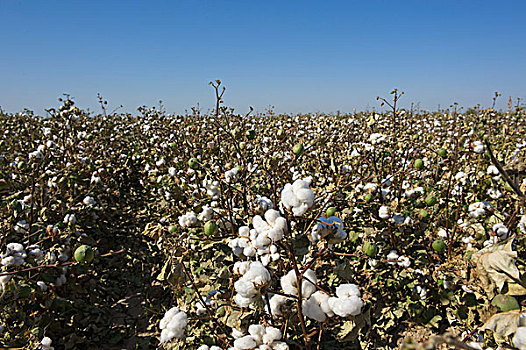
(15, 247)
(257, 273)
(312, 309)
(271, 216)
(266, 259)
(404, 261)
(89, 201)
(442, 233)
(173, 324)
(519, 340)
(307, 288)
(172, 171)
(262, 241)
(345, 307)
(245, 288)
(241, 267)
(206, 214)
(370, 187)
(393, 255)
(384, 212)
(347, 290)
(242, 301)
(278, 304)
(280, 346)
(187, 220)
(45, 343)
(262, 204)
(43, 286)
(271, 335)
(299, 211)
(501, 230)
(243, 231)
(478, 147)
(288, 198)
(236, 333)
(249, 251)
(245, 343)
(492, 170)
(306, 196)
(257, 331)
(477, 209)
(299, 184)
(259, 224)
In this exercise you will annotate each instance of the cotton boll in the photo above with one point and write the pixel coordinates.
(187, 220)
(173, 324)
(257, 331)
(241, 267)
(45, 343)
(404, 261)
(271, 335)
(393, 255)
(271, 216)
(236, 333)
(345, 307)
(289, 283)
(245, 288)
(384, 212)
(245, 343)
(242, 301)
(312, 309)
(501, 230)
(347, 290)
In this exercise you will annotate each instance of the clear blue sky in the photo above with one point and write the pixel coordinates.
(300, 56)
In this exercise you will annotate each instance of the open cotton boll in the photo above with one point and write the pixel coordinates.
(45, 343)
(477, 209)
(317, 307)
(346, 306)
(501, 230)
(187, 220)
(289, 283)
(278, 305)
(347, 290)
(384, 212)
(245, 343)
(271, 335)
(297, 197)
(206, 347)
(262, 204)
(173, 324)
(257, 331)
(478, 147)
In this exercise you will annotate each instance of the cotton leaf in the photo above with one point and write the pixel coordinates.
(496, 265)
(503, 324)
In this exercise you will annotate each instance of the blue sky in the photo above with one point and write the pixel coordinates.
(299, 56)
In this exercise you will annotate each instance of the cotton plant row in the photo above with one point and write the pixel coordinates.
(397, 183)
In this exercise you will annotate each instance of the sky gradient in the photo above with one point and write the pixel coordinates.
(299, 56)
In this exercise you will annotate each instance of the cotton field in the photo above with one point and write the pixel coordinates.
(400, 229)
